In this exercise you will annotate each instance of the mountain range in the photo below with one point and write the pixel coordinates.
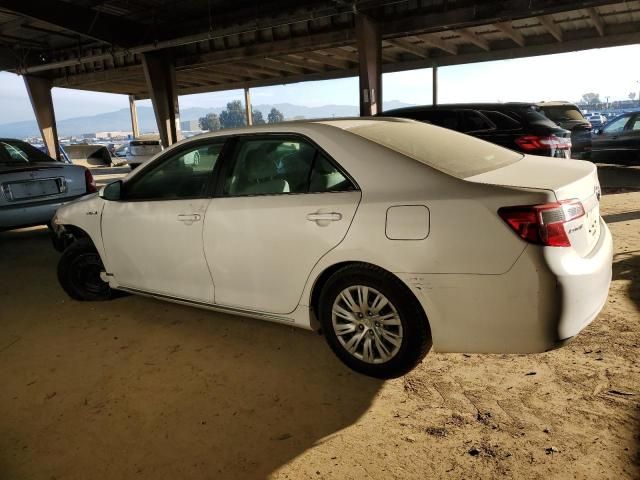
(120, 120)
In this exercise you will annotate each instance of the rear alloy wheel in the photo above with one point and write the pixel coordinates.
(373, 322)
(79, 271)
(367, 324)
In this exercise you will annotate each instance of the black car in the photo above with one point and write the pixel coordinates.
(618, 141)
(568, 116)
(518, 126)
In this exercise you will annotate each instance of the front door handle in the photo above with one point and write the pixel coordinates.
(189, 218)
(324, 218)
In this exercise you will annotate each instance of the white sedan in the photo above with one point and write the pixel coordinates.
(389, 235)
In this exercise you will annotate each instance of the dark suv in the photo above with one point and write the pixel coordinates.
(567, 115)
(518, 126)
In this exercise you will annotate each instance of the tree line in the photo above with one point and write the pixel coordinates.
(234, 116)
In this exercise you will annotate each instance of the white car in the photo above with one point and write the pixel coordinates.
(141, 150)
(389, 235)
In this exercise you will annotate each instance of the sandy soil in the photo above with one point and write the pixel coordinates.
(137, 388)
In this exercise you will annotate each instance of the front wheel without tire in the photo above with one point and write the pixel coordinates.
(79, 271)
(373, 322)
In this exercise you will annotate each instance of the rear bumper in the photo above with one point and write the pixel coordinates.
(25, 215)
(583, 283)
(546, 298)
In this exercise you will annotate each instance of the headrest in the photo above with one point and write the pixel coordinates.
(258, 166)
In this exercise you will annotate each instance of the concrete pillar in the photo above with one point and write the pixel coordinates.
(39, 90)
(135, 130)
(160, 72)
(369, 59)
(434, 93)
(247, 106)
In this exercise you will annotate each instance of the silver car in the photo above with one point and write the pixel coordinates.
(33, 185)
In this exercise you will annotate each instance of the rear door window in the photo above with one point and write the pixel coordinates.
(273, 165)
(474, 121)
(501, 120)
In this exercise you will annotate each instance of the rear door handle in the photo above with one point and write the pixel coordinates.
(324, 217)
(188, 219)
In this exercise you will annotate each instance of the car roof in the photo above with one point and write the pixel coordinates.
(470, 106)
(557, 103)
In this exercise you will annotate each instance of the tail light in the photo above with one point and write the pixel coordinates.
(532, 143)
(543, 224)
(90, 182)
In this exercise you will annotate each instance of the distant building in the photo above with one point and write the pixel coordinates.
(189, 125)
(115, 135)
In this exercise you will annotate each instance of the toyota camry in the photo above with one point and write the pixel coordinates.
(389, 236)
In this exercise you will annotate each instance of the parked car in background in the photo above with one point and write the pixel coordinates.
(518, 126)
(568, 116)
(89, 155)
(618, 141)
(596, 119)
(389, 234)
(63, 154)
(33, 185)
(121, 151)
(142, 149)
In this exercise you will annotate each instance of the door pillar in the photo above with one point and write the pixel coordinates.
(160, 72)
(369, 60)
(39, 90)
(135, 130)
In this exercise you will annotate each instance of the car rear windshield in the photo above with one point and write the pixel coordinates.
(15, 151)
(142, 143)
(531, 115)
(562, 113)
(450, 152)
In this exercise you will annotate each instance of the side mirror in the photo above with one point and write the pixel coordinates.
(112, 191)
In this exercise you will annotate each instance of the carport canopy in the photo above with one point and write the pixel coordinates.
(160, 49)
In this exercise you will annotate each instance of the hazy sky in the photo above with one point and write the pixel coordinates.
(610, 72)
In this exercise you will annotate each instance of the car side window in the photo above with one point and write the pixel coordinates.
(326, 177)
(635, 125)
(617, 126)
(281, 165)
(502, 121)
(185, 174)
(473, 121)
(443, 118)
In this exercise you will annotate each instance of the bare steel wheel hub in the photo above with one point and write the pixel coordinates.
(367, 324)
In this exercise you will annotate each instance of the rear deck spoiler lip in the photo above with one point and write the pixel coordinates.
(28, 169)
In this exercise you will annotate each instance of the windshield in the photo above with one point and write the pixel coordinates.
(17, 152)
(563, 113)
(450, 152)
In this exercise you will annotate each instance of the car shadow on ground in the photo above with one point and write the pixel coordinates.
(138, 387)
(618, 178)
(626, 266)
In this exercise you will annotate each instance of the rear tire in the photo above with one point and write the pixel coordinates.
(383, 332)
(79, 272)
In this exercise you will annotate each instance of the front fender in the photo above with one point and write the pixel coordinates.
(85, 214)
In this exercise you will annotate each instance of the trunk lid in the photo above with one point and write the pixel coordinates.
(24, 184)
(571, 179)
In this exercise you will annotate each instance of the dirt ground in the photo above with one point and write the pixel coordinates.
(138, 388)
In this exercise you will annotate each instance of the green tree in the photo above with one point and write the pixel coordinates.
(275, 116)
(210, 122)
(632, 96)
(256, 117)
(233, 116)
(591, 98)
